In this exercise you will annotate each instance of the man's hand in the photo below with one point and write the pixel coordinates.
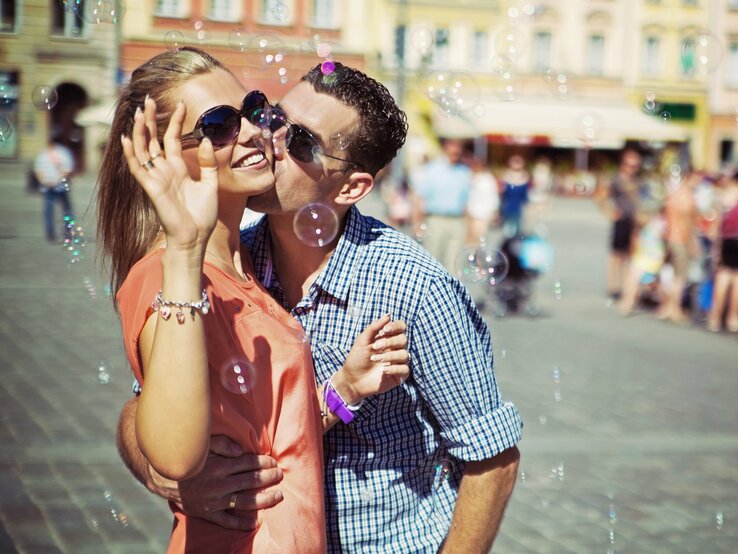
(230, 475)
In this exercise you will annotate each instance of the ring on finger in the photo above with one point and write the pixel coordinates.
(155, 156)
(232, 502)
(148, 165)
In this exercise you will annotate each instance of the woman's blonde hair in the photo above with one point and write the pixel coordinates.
(127, 222)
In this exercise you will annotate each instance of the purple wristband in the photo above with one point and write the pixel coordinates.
(335, 403)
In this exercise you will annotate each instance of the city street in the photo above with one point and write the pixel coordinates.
(630, 441)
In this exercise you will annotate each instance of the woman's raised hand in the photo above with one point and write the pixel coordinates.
(378, 361)
(187, 208)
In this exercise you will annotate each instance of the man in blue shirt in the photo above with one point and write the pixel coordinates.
(427, 467)
(442, 188)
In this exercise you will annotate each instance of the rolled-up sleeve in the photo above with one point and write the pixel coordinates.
(451, 348)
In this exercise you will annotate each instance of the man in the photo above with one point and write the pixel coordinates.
(53, 166)
(382, 489)
(442, 189)
(620, 202)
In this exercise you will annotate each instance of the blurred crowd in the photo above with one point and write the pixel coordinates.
(673, 247)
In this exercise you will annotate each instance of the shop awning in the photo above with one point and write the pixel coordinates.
(564, 124)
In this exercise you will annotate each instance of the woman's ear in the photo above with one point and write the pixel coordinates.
(358, 185)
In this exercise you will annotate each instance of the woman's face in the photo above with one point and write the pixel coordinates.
(243, 169)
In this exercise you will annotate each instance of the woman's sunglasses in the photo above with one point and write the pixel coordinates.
(301, 144)
(222, 124)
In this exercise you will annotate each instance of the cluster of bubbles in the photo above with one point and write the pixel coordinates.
(96, 12)
(701, 53)
(74, 240)
(455, 93)
(114, 511)
(558, 290)
(653, 107)
(238, 376)
(557, 472)
(481, 263)
(315, 224)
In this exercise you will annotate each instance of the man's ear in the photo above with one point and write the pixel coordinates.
(356, 187)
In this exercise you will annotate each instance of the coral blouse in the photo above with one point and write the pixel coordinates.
(277, 414)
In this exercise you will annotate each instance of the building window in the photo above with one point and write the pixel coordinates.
(8, 114)
(8, 12)
(651, 56)
(731, 65)
(733, 4)
(168, 8)
(595, 54)
(690, 3)
(65, 20)
(441, 49)
(541, 50)
(324, 14)
(222, 10)
(480, 48)
(400, 34)
(275, 12)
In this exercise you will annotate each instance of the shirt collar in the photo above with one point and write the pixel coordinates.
(340, 271)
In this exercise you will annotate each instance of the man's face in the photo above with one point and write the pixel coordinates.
(630, 164)
(300, 183)
(454, 150)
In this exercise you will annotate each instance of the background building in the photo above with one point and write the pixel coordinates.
(55, 58)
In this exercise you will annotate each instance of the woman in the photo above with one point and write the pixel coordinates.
(214, 353)
(726, 278)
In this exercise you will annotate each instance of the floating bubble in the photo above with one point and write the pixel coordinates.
(558, 290)
(580, 188)
(556, 374)
(6, 128)
(558, 83)
(611, 536)
(480, 110)
(557, 472)
(44, 97)
(103, 373)
(422, 40)
(494, 264)
(63, 184)
(701, 53)
(523, 476)
(612, 514)
(323, 49)
(97, 11)
(8, 94)
(280, 11)
(340, 141)
(557, 395)
(327, 67)
(649, 101)
(118, 11)
(542, 420)
(501, 64)
(200, 32)
(238, 376)
(509, 85)
(589, 128)
(90, 287)
(453, 92)
(503, 354)
(174, 40)
(315, 225)
(665, 116)
(719, 521)
(420, 233)
(510, 42)
(238, 39)
(270, 50)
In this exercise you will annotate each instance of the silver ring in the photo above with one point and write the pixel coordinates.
(148, 165)
(232, 502)
(157, 156)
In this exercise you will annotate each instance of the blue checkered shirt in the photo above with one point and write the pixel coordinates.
(384, 492)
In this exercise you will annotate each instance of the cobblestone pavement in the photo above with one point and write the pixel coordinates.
(629, 445)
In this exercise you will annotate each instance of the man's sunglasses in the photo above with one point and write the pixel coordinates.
(222, 124)
(301, 144)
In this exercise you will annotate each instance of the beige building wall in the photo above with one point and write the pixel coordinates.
(41, 57)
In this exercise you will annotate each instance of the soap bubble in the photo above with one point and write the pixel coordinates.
(701, 53)
(238, 376)
(323, 50)
(6, 128)
(494, 264)
(238, 39)
(510, 42)
(44, 97)
(174, 40)
(315, 224)
(422, 40)
(8, 94)
(103, 373)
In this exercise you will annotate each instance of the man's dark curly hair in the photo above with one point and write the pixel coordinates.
(382, 125)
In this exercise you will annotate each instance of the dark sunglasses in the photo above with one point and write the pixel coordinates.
(222, 124)
(302, 145)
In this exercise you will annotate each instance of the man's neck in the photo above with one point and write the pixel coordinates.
(296, 265)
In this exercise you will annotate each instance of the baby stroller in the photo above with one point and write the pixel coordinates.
(527, 257)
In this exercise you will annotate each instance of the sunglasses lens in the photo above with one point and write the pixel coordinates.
(221, 126)
(302, 146)
(269, 118)
(254, 104)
